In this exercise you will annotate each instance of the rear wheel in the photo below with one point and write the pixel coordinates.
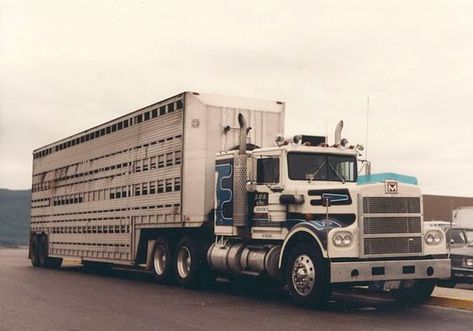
(307, 276)
(43, 250)
(418, 293)
(163, 266)
(34, 253)
(191, 266)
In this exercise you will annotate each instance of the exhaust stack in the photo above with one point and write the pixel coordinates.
(338, 133)
(243, 133)
(240, 194)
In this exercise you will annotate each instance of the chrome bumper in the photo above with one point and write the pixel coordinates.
(346, 272)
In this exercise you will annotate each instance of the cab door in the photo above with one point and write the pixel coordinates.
(264, 201)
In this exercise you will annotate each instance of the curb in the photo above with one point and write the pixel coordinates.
(450, 302)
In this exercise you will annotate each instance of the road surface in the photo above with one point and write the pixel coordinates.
(73, 299)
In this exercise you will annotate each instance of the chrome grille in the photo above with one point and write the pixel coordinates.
(391, 205)
(391, 225)
(383, 225)
(398, 245)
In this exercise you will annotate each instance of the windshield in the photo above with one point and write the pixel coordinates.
(322, 167)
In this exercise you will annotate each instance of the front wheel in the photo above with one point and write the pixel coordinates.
(307, 276)
(418, 293)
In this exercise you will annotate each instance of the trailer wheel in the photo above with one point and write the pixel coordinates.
(162, 261)
(43, 251)
(35, 243)
(307, 276)
(418, 293)
(190, 263)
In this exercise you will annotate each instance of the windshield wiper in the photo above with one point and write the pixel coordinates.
(337, 173)
(312, 176)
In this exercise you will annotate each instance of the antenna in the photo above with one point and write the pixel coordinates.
(367, 125)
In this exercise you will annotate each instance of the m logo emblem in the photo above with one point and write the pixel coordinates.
(391, 187)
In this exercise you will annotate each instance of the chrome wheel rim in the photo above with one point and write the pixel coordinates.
(160, 260)
(184, 262)
(303, 275)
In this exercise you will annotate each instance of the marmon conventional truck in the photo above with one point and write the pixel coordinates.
(182, 188)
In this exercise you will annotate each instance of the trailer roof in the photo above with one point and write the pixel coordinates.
(207, 99)
(239, 102)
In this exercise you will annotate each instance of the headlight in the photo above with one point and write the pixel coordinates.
(468, 262)
(433, 237)
(342, 239)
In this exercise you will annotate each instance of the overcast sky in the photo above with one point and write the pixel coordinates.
(66, 66)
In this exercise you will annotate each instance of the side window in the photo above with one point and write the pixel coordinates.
(267, 171)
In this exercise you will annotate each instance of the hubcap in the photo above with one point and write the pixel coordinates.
(184, 262)
(303, 275)
(159, 260)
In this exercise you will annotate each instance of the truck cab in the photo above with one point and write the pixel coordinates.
(305, 205)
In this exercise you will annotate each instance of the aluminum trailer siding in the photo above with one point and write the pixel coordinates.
(95, 194)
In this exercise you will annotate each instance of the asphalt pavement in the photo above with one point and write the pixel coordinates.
(74, 299)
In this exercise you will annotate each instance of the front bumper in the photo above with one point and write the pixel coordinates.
(365, 271)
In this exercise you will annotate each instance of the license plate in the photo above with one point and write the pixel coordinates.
(391, 285)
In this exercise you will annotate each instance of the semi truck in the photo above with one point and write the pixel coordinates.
(198, 186)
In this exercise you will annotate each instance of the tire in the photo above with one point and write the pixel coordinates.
(190, 263)
(43, 251)
(418, 293)
(163, 261)
(307, 276)
(34, 254)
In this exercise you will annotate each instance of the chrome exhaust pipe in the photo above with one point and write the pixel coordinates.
(338, 133)
(243, 133)
(240, 194)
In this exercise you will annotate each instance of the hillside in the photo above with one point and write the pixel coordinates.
(14, 217)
